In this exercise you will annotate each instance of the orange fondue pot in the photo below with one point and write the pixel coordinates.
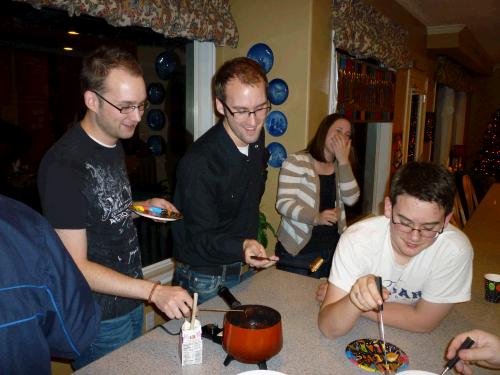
(253, 335)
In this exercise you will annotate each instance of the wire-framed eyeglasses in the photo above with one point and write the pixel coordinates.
(127, 109)
(259, 113)
(405, 228)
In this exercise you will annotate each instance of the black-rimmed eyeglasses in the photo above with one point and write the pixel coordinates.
(405, 228)
(259, 113)
(127, 109)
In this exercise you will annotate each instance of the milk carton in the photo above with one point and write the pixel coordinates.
(190, 343)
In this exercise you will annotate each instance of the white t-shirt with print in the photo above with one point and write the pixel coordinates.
(442, 273)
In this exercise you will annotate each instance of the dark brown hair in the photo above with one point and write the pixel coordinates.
(316, 146)
(428, 182)
(99, 63)
(246, 70)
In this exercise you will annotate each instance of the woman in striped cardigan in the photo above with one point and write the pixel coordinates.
(314, 185)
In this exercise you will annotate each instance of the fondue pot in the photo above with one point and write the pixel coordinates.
(253, 335)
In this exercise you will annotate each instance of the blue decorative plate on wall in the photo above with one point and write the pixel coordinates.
(276, 123)
(261, 53)
(277, 91)
(156, 93)
(156, 119)
(156, 144)
(277, 154)
(165, 65)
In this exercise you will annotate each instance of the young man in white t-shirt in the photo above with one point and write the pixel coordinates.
(425, 263)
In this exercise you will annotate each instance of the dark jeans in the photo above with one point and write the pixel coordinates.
(112, 334)
(305, 258)
(205, 285)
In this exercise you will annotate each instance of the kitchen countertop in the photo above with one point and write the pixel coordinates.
(305, 350)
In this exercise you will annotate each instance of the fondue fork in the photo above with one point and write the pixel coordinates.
(316, 263)
(194, 311)
(378, 280)
(223, 310)
(313, 266)
(468, 342)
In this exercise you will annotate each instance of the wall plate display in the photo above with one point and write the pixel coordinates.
(277, 91)
(156, 144)
(156, 93)
(165, 65)
(261, 53)
(276, 123)
(156, 119)
(277, 154)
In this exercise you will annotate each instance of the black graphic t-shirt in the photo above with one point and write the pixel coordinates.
(84, 185)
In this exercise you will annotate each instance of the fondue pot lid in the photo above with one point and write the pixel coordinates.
(261, 372)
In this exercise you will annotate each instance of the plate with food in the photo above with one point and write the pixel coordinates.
(368, 354)
(156, 213)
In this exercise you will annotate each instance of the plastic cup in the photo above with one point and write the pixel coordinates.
(492, 287)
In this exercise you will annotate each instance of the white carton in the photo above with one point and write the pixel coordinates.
(190, 344)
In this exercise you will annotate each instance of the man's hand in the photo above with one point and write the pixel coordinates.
(254, 248)
(321, 291)
(159, 202)
(485, 351)
(364, 294)
(174, 301)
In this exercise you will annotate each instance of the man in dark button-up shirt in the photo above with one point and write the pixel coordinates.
(220, 182)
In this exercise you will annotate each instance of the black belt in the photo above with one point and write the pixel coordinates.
(230, 269)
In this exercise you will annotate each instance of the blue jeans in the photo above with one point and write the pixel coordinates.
(205, 285)
(112, 334)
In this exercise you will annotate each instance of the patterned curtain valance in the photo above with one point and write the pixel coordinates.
(365, 33)
(203, 20)
(453, 75)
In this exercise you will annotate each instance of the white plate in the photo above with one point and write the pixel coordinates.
(261, 372)
(160, 215)
(416, 372)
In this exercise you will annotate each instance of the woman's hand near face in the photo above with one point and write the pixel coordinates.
(341, 148)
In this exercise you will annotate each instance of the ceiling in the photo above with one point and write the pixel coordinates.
(481, 17)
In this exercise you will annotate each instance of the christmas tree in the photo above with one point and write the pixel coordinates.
(489, 163)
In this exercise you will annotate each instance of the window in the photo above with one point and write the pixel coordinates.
(38, 74)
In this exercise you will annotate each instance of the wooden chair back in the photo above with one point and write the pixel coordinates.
(470, 194)
(458, 218)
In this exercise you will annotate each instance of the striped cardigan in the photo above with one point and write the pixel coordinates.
(298, 199)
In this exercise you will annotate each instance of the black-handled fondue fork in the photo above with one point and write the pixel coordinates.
(468, 342)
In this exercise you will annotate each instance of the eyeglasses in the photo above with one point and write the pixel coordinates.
(405, 228)
(259, 113)
(127, 109)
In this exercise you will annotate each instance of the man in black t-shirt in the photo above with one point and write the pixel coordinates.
(85, 194)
